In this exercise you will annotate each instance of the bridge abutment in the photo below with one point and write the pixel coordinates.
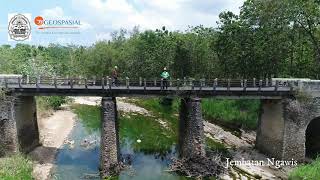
(110, 153)
(281, 128)
(18, 125)
(191, 130)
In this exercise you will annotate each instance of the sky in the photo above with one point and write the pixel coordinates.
(101, 17)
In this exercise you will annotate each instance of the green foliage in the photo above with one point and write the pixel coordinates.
(56, 101)
(154, 138)
(215, 146)
(308, 171)
(274, 38)
(90, 116)
(51, 102)
(167, 113)
(15, 167)
(237, 113)
(132, 127)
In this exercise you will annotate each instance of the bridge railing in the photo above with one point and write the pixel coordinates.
(107, 82)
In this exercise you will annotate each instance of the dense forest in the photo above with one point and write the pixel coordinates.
(269, 38)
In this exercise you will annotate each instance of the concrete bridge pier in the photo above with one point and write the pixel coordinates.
(18, 125)
(110, 152)
(191, 130)
(281, 128)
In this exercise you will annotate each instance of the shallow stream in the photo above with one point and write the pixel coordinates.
(80, 160)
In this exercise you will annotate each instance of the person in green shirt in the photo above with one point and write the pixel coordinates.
(164, 77)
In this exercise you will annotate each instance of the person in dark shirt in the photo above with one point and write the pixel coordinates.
(115, 75)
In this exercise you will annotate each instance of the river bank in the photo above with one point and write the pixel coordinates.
(53, 132)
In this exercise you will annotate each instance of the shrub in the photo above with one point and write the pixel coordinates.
(15, 167)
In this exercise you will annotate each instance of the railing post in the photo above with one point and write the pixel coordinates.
(71, 83)
(184, 81)
(161, 84)
(28, 79)
(86, 83)
(215, 83)
(192, 84)
(201, 84)
(19, 81)
(5, 82)
(144, 84)
(267, 82)
(94, 80)
(140, 81)
(245, 85)
(260, 85)
(291, 86)
(277, 85)
(228, 88)
(55, 82)
(170, 82)
(102, 83)
(155, 82)
(109, 79)
(52, 82)
(178, 84)
(254, 82)
(127, 82)
(37, 82)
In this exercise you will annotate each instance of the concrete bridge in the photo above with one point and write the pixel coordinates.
(288, 119)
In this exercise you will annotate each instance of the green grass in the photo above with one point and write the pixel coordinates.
(168, 113)
(90, 116)
(308, 171)
(16, 167)
(154, 138)
(215, 146)
(236, 113)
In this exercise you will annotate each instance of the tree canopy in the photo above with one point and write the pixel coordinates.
(269, 38)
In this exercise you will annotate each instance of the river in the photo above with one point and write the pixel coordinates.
(79, 158)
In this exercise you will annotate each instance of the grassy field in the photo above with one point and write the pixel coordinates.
(16, 167)
(232, 113)
(308, 171)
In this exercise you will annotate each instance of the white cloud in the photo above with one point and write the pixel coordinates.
(152, 14)
(100, 17)
(56, 12)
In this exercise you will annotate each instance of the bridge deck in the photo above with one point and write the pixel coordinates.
(82, 90)
(262, 89)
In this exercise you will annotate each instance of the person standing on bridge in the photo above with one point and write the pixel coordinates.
(115, 75)
(164, 77)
